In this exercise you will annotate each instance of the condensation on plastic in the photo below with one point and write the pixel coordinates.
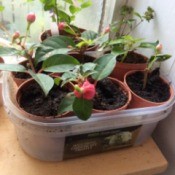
(45, 140)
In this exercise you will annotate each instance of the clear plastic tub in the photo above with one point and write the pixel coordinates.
(70, 137)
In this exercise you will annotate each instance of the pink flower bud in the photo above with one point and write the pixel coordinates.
(16, 35)
(61, 25)
(31, 17)
(86, 91)
(107, 30)
(159, 47)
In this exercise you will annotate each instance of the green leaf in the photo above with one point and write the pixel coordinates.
(7, 51)
(66, 104)
(48, 4)
(60, 63)
(29, 0)
(89, 35)
(151, 45)
(45, 81)
(101, 40)
(86, 4)
(105, 66)
(68, 30)
(88, 67)
(69, 1)
(117, 41)
(57, 81)
(63, 16)
(162, 57)
(53, 45)
(12, 67)
(54, 52)
(138, 15)
(74, 9)
(82, 108)
(117, 50)
(1, 8)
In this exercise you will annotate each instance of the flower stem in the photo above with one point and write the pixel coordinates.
(74, 33)
(29, 57)
(26, 35)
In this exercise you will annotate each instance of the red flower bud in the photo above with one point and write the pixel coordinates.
(16, 35)
(86, 91)
(31, 17)
(159, 47)
(61, 25)
(107, 30)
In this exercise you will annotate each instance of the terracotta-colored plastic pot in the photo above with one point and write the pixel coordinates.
(21, 89)
(79, 57)
(47, 34)
(122, 68)
(139, 102)
(44, 35)
(125, 90)
(1, 60)
(19, 81)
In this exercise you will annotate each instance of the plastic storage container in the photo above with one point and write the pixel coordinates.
(70, 137)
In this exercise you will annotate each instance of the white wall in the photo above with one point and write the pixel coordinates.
(162, 28)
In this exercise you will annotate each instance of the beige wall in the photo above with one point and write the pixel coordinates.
(162, 28)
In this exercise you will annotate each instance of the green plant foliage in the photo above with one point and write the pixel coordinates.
(59, 63)
(45, 81)
(12, 67)
(59, 10)
(82, 108)
(149, 44)
(2, 8)
(105, 65)
(66, 104)
(53, 46)
(89, 35)
(7, 51)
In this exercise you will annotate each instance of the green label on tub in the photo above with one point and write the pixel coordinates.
(85, 144)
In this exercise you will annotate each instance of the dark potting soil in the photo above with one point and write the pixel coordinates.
(133, 58)
(83, 58)
(156, 90)
(33, 100)
(21, 75)
(109, 96)
(45, 35)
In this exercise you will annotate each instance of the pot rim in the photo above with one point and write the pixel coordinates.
(128, 94)
(145, 100)
(33, 116)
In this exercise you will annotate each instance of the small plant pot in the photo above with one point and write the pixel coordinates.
(139, 102)
(82, 58)
(122, 97)
(46, 34)
(31, 102)
(122, 68)
(20, 77)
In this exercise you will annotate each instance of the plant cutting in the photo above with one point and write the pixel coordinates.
(64, 17)
(63, 45)
(123, 44)
(20, 47)
(128, 59)
(85, 84)
(129, 21)
(147, 87)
